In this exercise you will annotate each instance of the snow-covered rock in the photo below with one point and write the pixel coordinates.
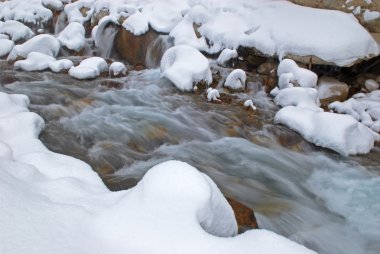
(35, 61)
(16, 30)
(341, 133)
(226, 55)
(74, 14)
(43, 43)
(285, 80)
(89, 68)
(301, 76)
(61, 65)
(236, 80)
(137, 24)
(184, 66)
(52, 201)
(6, 46)
(249, 104)
(213, 95)
(298, 96)
(31, 11)
(117, 69)
(73, 36)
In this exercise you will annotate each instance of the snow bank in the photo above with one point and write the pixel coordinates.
(43, 43)
(73, 36)
(236, 79)
(16, 30)
(341, 133)
(89, 68)
(35, 61)
(54, 202)
(185, 66)
(117, 69)
(6, 46)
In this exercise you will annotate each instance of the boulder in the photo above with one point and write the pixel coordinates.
(244, 215)
(331, 89)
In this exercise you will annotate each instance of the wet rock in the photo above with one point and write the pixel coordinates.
(244, 215)
(371, 85)
(268, 68)
(98, 16)
(330, 89)
(133, 49)
(269, 83)
(112, 84)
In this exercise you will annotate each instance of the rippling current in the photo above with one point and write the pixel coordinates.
(122, 127)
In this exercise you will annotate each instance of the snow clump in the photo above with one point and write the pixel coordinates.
(73, 37)
(89, 68)
(236, 80)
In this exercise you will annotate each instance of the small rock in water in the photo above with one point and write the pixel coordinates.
(249, 104)
(245, 216)
(371, 85)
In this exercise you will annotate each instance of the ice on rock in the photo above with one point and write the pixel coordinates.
(301, 76)
(117, 69)
(184, 66)
(236, 79)
(73, 36)
(6, 46)
(35, 61)
(213, 94)
(298, 96)
(43, 43)
(226, 55)
(341, 133)
(16, 30)
(61, 65)
(137, 24)
(371, 85)
(89, 68)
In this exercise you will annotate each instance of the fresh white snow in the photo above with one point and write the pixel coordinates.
(73, 36)
(184, 66)
(236, 79)
(89, 68)
(35, 61)
(117, 69)
(6, 46)
(16, 30)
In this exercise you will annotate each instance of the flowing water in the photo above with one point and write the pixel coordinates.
(122, 127)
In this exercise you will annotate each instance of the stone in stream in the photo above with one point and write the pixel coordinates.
(245, 216)
(330, 89)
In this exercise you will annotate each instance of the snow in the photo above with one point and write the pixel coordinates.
(226, 55)
(73, 36)
(89, 68)
(60, 65)
(117, 69)
(55, 202)
(43, 43)
(212, 94)
(56, 5)
(35, 61)
(370, 15)
(249, 104)
(236, 79)
(298, 96)
(301, 76)
(137, 24)
(74, 14)
(285, 80)
(341, 133)
(16, 30)
(184, 66)
(6, 46)
(327, 87)
(31, 11)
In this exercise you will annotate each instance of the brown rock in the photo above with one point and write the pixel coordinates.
(267, 68)
(133, 49)
(244, 215)
(331, 89)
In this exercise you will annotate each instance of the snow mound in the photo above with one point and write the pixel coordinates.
(301, 76)
(226, 55)
(184, 66)
(236, 80)
(89, 68)
(70, 209)
(249, 104)
(35, 61)
(73, 37)
(298, 96)
(60, 65)
(31, 11)
(6, 46)
(137, 24)
(117, 69)
(285, 80)
(341, 133)
(74, 14)
(16, 30)
(213, 94)
(43, 43)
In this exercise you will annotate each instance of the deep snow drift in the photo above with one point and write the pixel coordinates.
(55, 202)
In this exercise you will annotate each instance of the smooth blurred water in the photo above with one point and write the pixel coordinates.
(314, 196)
